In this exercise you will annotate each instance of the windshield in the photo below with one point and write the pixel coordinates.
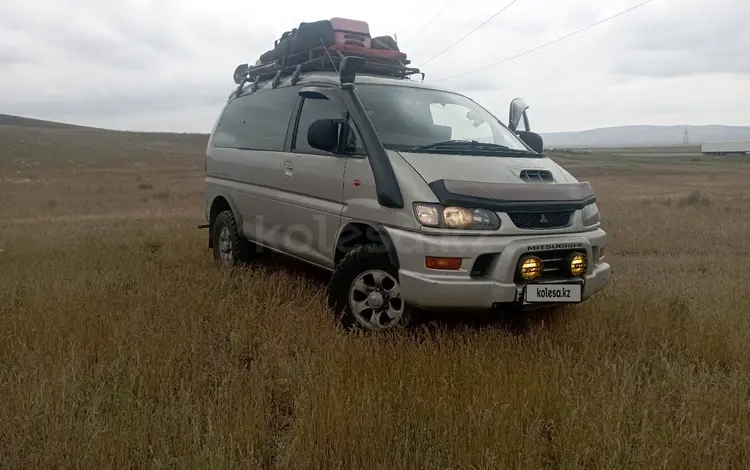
(408, 117)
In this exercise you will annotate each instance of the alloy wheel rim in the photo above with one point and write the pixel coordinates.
(375, 300)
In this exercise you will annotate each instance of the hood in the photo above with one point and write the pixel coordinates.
(501, 183)
(435, 166)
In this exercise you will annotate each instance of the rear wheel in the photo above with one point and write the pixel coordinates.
(229, 247)
(365, 291)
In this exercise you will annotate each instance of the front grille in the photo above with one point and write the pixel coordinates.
(540, 220)
(555, 265)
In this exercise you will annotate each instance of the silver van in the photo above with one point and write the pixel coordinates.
(412, 195)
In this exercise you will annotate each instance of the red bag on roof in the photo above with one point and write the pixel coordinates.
(350, 32)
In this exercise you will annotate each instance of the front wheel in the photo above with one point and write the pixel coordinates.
(365, 291)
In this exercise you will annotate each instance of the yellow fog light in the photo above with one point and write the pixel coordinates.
(531, 268)
(578, 264)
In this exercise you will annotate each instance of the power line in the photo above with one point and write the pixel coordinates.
(469, 34)
(547, 44)
(451, 2)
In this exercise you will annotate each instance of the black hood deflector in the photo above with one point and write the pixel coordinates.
(511, 197)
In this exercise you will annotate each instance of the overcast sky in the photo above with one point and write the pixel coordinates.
(167, 64)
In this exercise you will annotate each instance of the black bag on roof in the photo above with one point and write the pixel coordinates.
(280, 49)
(312, 35)
(385, 42)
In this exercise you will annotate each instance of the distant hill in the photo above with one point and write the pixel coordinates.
(642, 136)
(31, 123)
(28, 142)
(9, 120)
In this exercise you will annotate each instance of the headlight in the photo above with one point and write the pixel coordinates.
(435, 215)
(590, 215)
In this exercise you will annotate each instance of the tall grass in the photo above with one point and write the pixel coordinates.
(123, 346)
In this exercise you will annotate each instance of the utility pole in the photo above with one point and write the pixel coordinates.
(686, 138)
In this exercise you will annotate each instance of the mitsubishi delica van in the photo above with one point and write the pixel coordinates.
(411, 195)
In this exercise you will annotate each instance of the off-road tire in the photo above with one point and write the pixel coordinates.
(357, 261)
(242, 250)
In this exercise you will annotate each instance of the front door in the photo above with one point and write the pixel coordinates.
(312, 184)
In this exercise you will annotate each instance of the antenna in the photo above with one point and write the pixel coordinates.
(329, 56)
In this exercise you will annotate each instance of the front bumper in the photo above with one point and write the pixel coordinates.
(494, 284)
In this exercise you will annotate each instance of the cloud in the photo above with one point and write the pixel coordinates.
(10, 57)
(694, 37)
(167, 64)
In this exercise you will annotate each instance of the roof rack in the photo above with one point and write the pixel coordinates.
(318, 59)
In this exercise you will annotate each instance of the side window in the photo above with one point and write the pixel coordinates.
(258, 121)
(312, 110)
(230, 125)
(355, 145)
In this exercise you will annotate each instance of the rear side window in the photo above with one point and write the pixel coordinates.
(258, 121)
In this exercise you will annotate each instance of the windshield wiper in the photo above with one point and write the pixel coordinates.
(469, 145)
(455, 143)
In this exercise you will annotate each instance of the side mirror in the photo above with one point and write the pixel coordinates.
(518, 109)
(533, 140)
(323, 134)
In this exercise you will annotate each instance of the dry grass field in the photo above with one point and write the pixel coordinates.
(123, 346)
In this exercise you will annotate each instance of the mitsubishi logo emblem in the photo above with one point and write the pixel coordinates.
(543, 220)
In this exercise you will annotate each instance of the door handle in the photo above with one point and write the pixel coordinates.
(288, 168)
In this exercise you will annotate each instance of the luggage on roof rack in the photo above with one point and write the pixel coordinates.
(326, 33)
(320, 46)
(385, 42)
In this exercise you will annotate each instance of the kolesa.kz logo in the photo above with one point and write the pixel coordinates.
(548, 293)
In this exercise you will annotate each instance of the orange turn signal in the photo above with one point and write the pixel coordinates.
(452, 264)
